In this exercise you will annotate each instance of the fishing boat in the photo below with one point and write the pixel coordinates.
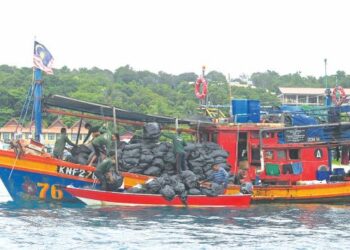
(272, 154)
(93, 197)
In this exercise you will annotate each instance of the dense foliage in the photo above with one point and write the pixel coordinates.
(144, 91)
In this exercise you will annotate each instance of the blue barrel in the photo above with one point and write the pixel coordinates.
(240, 110)
(253, 110)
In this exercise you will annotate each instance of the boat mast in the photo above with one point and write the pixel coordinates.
(37, 103)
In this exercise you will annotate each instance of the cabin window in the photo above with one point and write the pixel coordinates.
(254, 134)
(255, 155)
(80, 137)
(214, 137)
(294, 154)
(26, 135)
(281, 155)
(44, 136)
(269, 155)
(51, 137)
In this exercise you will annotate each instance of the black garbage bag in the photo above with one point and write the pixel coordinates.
(189, 179)
(190, 147)
(131, 161)
(195, 164)
(217, 153)
(132, 153)
(114, 181)
(168, 192)
(179, 187)
(197, 171)
(164, 180)
(153, 171)
(147, 141)
(215, 190)
(169, 157)
(209, 173)
(219, 160)
(136, 170)
(129, 147)
(151, 130)
(80, 149)
(207, 167)
(194, 191)
(158, 162)
(146, 158)
(153, 186)
(162, 147)
(194, 154)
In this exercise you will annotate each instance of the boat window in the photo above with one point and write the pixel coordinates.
(214, 137)
(281, 155)
(269, 155)
(294, 154)
(255, 155)
(254, 134)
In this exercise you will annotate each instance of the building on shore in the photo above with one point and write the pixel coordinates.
(49, 134)
(304, 96)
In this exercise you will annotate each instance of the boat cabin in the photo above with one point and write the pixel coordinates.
(263, 152)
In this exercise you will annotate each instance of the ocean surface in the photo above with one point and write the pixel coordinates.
(292, 226)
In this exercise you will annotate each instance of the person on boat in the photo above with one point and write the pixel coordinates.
(179, 150)
(91, 129)
(106, 174)
(219, 175)
(60, 144)
(100, 145)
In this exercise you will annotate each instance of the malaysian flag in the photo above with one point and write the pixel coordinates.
(42, 58)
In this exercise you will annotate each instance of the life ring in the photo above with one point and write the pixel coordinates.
(201, 81)
(338, 100)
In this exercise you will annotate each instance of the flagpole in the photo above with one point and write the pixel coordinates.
(37, 101)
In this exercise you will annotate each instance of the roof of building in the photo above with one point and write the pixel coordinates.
(306, 91)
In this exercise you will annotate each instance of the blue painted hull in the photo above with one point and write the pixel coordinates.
(27, 186)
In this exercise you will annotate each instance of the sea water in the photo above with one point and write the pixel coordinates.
(267, 226)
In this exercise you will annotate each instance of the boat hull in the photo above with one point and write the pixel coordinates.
(32, 177)
(104, 198)
(316, 193)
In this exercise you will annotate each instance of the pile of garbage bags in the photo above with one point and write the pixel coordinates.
(182, 185)
(155, 159)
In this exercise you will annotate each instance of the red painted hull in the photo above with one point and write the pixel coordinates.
(98, 197)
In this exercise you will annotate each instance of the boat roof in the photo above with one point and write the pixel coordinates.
(63, 102)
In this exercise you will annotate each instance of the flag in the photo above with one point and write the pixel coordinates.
(42, 58)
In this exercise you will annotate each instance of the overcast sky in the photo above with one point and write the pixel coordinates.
(181, 35)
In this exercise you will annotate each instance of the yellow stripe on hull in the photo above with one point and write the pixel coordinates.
(296, 192)
(27, 164)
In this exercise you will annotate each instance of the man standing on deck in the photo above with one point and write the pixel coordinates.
(60, 144)
(100, 144)
(179, 151)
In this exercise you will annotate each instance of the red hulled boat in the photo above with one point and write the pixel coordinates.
(107, 198)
